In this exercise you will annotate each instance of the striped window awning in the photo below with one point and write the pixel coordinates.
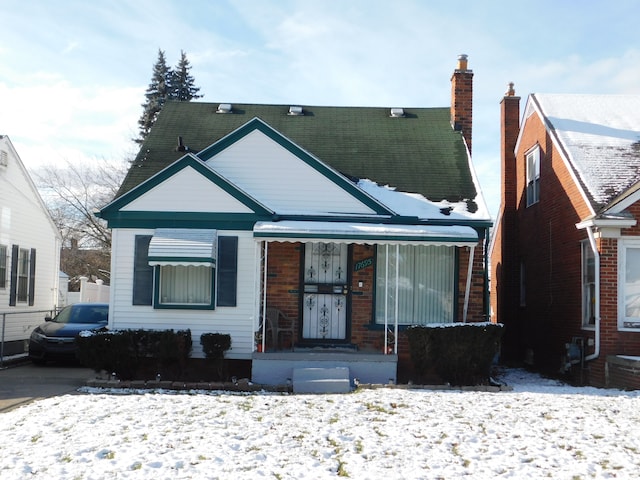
(183, 246)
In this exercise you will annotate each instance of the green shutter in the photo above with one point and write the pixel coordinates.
(14, 275)
(32, 277)
(142, 272)
(227, 267)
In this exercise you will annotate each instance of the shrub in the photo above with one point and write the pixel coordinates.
(214, 346)
(460, 353)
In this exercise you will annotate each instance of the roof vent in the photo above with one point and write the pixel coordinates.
(296, 111)
(4, 158)
(181, 146)
(224, 108)
(397, 112)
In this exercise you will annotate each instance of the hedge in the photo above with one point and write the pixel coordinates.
(122, 351)
(460, 353)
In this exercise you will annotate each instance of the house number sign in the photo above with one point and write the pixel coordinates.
(362, 264)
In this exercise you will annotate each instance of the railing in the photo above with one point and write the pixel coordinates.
(17, 326)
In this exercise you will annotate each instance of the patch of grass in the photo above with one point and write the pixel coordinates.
(136, 466)
(342, 471)
(359, 446)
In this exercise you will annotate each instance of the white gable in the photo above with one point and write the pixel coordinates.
(280, 180)
(187, 191)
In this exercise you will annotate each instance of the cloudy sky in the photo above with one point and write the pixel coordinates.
(73, 73)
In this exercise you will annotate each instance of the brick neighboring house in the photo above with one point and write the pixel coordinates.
(565, 253)
(353, 222)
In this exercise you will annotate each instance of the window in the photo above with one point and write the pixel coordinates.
(588, 285)
(533, 176)
(23, 274)
(629, 288)
(3, 266)
(425, 284)
(186, 286)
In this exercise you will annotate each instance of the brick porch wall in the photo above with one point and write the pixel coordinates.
(283, 284)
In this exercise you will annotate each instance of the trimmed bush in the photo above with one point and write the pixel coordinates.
(460, 353)
(215, 346)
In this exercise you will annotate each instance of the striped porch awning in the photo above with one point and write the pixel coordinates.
(369, 233)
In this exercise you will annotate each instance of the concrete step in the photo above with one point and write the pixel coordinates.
(321, 380)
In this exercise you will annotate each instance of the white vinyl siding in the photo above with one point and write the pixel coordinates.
(239, 321)
(629, 285)
(280, 180)
(533, 176)
(25, 222)
(426, 284)
(186, 191)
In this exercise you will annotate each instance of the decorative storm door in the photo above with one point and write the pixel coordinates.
(325, 292)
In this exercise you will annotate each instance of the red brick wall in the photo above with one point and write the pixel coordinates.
(549, 245)
(283, 284)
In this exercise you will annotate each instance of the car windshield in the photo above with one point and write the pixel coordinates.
(83, 314)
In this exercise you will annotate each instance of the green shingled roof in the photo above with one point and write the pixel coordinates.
(417, 153)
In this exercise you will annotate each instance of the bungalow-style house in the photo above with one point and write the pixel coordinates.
(29, 253)
(313, 235)
(565, 254)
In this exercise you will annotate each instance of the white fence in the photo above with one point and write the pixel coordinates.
(89, 292)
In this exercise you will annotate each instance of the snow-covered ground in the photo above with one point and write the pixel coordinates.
(541, 429)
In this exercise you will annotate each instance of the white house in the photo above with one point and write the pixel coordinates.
(348, 223)
(29, 253)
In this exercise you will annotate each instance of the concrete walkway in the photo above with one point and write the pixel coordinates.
(26, 382)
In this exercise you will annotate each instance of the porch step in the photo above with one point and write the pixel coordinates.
(321, 380)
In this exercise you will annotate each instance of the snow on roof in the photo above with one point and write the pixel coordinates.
(601, 137)
(416, 205)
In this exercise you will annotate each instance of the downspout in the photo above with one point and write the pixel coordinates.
(596, 258)
(467, 289)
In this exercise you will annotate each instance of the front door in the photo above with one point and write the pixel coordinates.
(326, 292)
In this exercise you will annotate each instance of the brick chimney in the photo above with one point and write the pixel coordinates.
(509, 130)
(462, 99)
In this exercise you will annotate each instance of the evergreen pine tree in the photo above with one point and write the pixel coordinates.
(182, 83)
(156, 95)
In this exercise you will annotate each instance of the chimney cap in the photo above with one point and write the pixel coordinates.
(510, 91)
(463, 59)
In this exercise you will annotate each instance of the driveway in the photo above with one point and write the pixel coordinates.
(27, 382)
